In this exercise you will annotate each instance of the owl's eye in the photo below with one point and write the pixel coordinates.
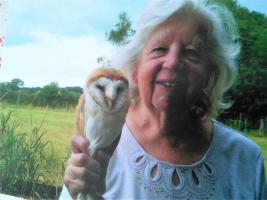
(119, 89)
(100, 87)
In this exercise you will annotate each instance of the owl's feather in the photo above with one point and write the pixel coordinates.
(80, 116)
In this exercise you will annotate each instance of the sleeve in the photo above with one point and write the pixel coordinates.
(261, 181)
(65, 195)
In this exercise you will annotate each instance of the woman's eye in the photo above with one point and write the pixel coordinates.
(158, 51)
(192, 55)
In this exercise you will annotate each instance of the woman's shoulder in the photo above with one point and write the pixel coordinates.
(234, 140)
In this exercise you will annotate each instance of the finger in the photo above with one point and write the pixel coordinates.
(79, 144)
(81, 175)
(84, 160)
(75, 187)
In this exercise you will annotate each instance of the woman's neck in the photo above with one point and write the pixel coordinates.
(147, 129)
(141, 121)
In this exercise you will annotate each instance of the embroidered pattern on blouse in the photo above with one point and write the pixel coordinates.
(196, 182)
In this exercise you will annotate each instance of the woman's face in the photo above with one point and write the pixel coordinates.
(174, 52)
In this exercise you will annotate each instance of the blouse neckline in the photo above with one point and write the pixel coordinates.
(195, 181)
(164, 163)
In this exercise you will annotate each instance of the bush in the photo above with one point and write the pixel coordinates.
(26, 160)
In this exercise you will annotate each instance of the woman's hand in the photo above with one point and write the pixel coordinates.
(85, 174)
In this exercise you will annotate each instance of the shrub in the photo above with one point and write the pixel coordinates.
(26, 159)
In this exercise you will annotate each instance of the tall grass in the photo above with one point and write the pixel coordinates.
(242, 124)
(26, 159)
(59, 125)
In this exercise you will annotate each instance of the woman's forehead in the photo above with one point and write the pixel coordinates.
(186, 31)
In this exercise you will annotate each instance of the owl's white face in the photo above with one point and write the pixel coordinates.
(110, 95)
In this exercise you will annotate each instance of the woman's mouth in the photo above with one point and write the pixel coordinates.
(169, 84)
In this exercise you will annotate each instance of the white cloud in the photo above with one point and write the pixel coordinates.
(66, 60)
(59, 40)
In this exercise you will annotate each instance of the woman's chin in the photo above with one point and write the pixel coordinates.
(160, 104)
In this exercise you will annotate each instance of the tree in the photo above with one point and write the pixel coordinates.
(16, 84)
(102, 61)
(117, 36)
(249, 93)
(121, 31)
(49, 94)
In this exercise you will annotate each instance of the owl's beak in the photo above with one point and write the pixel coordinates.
(110, 103)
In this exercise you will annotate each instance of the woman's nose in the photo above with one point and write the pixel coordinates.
(172, 60)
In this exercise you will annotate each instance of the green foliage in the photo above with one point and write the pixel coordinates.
(231, 4)
(50, 92)
(16, 84)
(25, 160)
(242, 124)
(121, 32)
(239, 124)
(249, 93)
(117, 36)
(50, 95)
(102, 61)
(261, 140)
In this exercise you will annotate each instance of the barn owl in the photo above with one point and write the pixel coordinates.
(102, 108)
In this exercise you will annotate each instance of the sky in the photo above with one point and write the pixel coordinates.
(59, 40)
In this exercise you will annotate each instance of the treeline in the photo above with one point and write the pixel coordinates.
(50, 95)
(249, 93)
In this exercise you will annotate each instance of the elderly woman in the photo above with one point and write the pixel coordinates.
(180, 61)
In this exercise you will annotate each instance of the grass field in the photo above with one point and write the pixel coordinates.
(59, 125)
(262, 142)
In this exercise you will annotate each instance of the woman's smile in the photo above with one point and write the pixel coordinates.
(168, 84)
(162, 91)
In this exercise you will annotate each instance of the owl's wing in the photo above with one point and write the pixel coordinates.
(80, 119)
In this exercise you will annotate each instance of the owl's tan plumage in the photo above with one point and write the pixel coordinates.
(102, 107)
(80, 116)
